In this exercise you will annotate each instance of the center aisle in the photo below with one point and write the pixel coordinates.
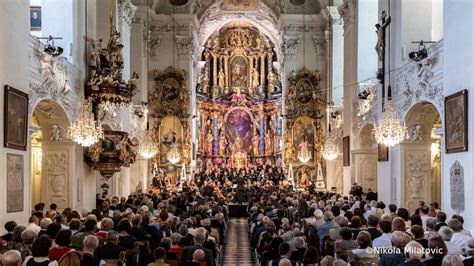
(237, 250)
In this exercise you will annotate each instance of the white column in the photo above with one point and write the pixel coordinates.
(348, 11)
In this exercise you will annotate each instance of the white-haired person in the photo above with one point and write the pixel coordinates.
(446, 234)
(11, 258)
(413, 254)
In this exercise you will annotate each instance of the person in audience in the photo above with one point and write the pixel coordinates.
(9, 227)
(327, 261)
(11, 258)
(441, 217)
(439, 250)
(90, 244)
(446, 234)
(364, 241)
(469, 260)
(346, 243)
(72, 258)
(111, 250)
(413, 253)
(419, 235)
(452, 260)
(78, 239)
(160, 255)
(399, 224)
(372, 224)
(33, 224)
(16, 241)
(399, 241)
(198, 244)
(166, 243)
(355, 226)
(198, 257)
(385, 240)
(62, 241)
(430, 228)
(124, 229)
(424, 214)
(298, 254)
(285, 253)
(459, 218)
(323, 230)
(137, 231)
(40, 252)
(106, 225)
(28, 237)
(392, 208)
(310, 257)
(459, 236)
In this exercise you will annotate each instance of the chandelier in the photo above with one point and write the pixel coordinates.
(147, 147)
(330, 150)
(85, 130)
(389, 130)
(174, 154)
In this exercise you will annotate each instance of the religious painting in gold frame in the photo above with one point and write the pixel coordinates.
(304, 130)
(304, 91)
(239, 72)
(170, 133)
(170, 90)
(455, 111)
(15, 119)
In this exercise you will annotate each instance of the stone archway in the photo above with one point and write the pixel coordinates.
(420, 156)
(364, 157)
(52, 155)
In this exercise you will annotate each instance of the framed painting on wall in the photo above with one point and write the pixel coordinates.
(346, 149)
(35, 18)
(16, 119)
(14, 183)
(382, 153)
(455, 111)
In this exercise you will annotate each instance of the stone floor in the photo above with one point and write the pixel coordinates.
(237, 250)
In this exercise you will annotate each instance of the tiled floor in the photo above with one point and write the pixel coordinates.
(237, 250)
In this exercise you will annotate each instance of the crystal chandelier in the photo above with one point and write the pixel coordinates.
(84, 130)
(174, 154)
(330, 149)
(147, 147)
(389, 130)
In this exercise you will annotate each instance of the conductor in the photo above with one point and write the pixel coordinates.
(240, 190)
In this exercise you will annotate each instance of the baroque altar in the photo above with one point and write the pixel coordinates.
(239, 92)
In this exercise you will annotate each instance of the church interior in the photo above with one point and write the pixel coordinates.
(236, 132)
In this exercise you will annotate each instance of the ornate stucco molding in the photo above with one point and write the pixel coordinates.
(320, 44)
(185, 46)
(126, 12)
(291, 44)
(347, 10)
(52, 78)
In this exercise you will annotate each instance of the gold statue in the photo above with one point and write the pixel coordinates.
(256, 145)
(186, 150)
(94, 151)
(133, 81)
(221, 79)
(222, 144)
(255, 79)
(268, 144)
(209, 142)
(271, 81)
(289, 150)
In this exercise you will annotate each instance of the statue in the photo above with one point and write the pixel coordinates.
(268, 144)
(169, 138)
(271, 81)
(255, 79)
(94, 151)
(256, 145)
(239, 156)
(222, 144)
(204, 80)
(133, 81)
(121, 147)
(417, 133)
(289, 150)
(186, 149)
(56, 133)
(304, 178)
(95, 53)
(221, 79)
(209, 142)
(380, 46)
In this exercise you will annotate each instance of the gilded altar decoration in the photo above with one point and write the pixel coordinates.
(239, 99)
(111, 153)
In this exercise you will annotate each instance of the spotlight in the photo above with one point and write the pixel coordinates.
(421, 54)
(143, 103)
(49, 48)
(138, 113)
(194, 117)
(363, 95)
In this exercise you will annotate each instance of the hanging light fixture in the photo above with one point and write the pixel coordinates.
(147, 147)
(85, 130)
(304, 154)
(330, 149)
(389, 131)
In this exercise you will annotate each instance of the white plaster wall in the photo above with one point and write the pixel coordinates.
(458, 21)
(367, 57)
(13, 72)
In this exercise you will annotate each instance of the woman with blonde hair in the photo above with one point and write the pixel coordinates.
(452, 260)
(72, 258)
